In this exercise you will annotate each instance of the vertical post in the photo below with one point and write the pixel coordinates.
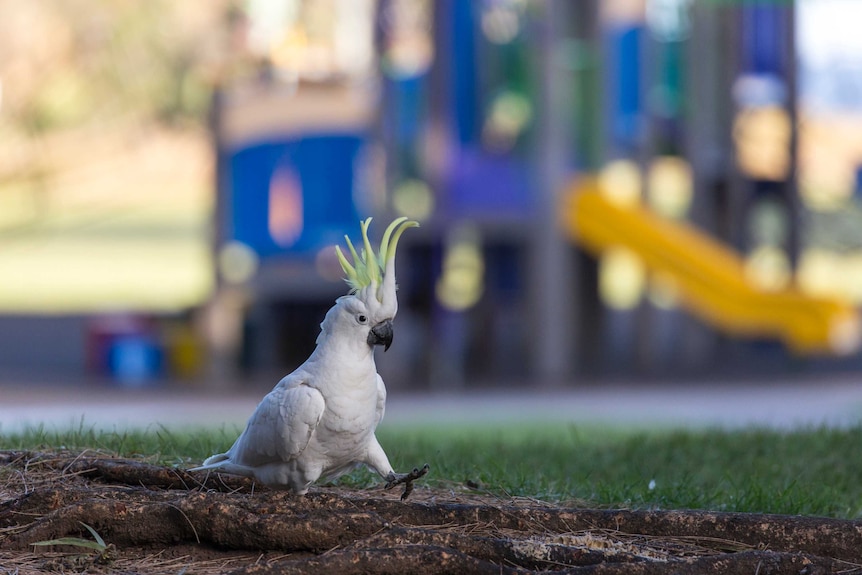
(708, 146)
(551, 285)
(791, 66)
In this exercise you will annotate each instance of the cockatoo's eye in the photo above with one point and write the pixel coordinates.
(362, 318)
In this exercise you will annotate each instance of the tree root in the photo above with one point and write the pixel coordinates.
(132, 504)
(430, 560)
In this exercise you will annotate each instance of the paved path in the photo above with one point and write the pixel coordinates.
(814, 401)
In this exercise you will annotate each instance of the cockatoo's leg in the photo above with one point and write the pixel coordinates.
(377, 460)
(407, 479)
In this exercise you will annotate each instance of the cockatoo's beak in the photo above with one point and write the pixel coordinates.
(381, 334)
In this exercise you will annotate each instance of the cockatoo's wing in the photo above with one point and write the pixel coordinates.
(381, 400)
(281, 426)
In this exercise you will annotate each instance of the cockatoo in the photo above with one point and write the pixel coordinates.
(319, 421)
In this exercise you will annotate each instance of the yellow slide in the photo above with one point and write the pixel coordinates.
(710, 277)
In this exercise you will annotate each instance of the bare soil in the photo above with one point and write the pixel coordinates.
(161, 520)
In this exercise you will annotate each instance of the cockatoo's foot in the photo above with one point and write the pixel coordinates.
(407, 479)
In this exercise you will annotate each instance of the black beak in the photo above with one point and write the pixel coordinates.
(381, 334)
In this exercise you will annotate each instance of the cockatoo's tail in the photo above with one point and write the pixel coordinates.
(372, 273)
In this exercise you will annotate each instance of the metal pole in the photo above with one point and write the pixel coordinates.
(552, 286)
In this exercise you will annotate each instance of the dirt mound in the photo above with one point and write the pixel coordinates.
(152, 519)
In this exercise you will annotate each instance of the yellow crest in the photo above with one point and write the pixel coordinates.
(368, 268)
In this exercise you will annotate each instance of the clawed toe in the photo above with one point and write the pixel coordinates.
(407, 479)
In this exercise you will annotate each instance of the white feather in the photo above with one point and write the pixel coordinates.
(319, 421)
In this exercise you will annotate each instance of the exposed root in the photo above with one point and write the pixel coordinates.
(439, 560)
(152, 509)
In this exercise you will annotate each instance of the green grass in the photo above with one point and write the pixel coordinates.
(811, 472)
(178, 447)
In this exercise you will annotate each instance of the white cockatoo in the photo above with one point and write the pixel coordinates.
(319, 421)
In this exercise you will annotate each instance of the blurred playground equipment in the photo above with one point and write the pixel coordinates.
(710, 279)
(267, 128)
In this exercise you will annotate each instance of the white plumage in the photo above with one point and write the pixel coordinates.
(319, 421)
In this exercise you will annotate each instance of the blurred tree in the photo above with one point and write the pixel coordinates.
(69, 62)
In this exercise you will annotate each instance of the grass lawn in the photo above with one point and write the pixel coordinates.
(810, 472)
